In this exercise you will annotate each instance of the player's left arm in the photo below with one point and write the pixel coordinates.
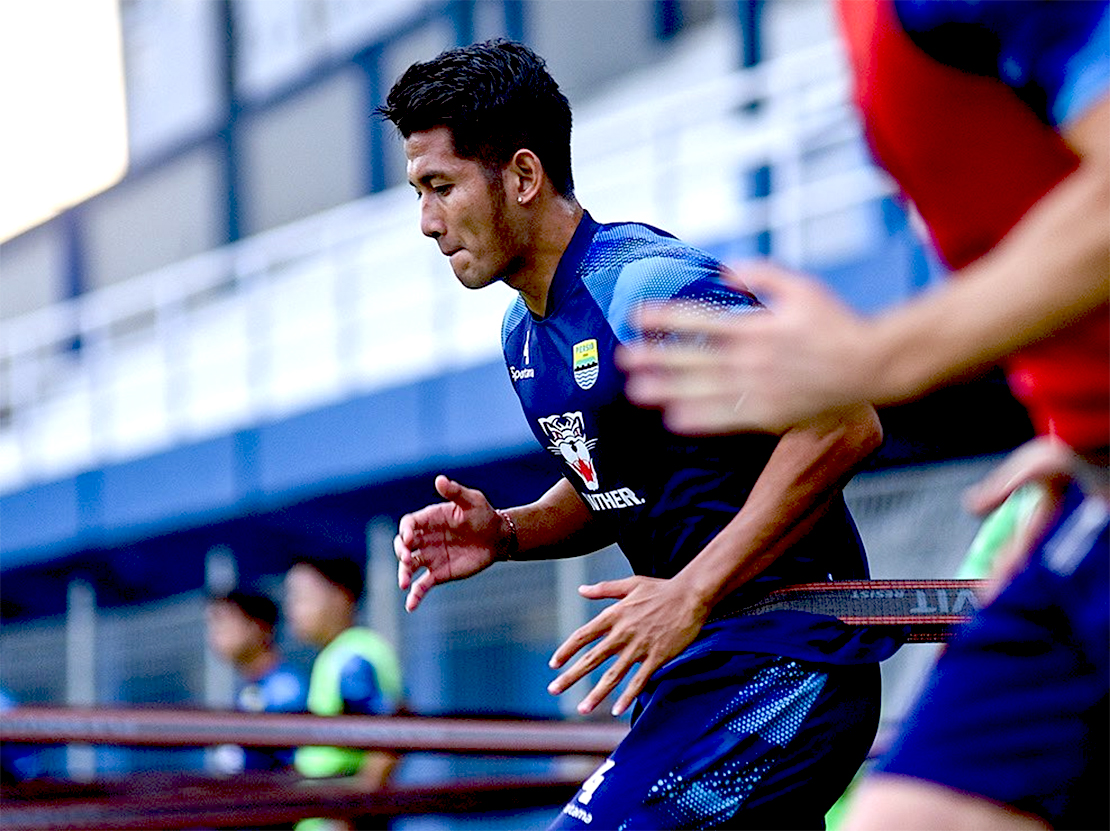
(656, 619)
(1052, 268)
(809, 467)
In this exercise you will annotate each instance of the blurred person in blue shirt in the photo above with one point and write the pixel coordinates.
(17, 761)
(241, 627)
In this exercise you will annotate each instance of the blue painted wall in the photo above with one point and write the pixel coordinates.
(322, 473)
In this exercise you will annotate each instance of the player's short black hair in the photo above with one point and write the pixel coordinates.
(254, 604)
(496, 98)
(339, 571)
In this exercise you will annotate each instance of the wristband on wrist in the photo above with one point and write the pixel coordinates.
(509, 546)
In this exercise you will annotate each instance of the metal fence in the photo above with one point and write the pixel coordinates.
(479, 646)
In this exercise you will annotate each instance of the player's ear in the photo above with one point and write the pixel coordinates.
(525, 176)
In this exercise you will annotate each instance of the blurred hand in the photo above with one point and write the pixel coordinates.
(653, 622)
(1045, 462)
(759, 372)
(450, 541)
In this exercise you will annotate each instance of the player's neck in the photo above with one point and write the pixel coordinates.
(258, 664)
(553, 228)
(336, 627)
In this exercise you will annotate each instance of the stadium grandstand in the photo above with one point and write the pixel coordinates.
(244, 350)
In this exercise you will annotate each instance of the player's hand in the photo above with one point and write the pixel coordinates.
(757, 372)
(653, 622)
(1045, 462)
(450, 540)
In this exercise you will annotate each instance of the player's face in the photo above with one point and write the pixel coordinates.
(232, 635)
(310, 605)
(464, 209)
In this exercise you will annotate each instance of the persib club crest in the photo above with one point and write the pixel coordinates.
(586, 363)
(567, 433)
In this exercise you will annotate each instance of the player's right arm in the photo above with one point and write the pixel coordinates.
(458, 538)
(815, 354)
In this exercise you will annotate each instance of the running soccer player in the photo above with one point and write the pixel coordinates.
(995, 120)
(756, 721)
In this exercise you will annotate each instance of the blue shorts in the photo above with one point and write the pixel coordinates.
(734, 738)
(1016, 709)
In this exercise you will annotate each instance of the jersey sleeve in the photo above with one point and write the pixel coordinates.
(693, 281)
(1086, 76)
(359, 688)
(1055, 54)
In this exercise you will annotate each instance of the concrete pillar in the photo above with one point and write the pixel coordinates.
(80, 669)
(572, 610)
(221, 574)
(382, 608)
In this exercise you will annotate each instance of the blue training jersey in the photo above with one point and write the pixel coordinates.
(663, 497)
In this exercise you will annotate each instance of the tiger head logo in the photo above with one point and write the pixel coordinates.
(567, 433)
